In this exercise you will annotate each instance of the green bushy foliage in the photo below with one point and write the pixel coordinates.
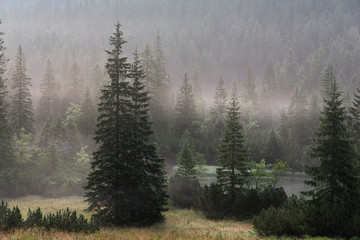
(9, 218)
(333, 220)
(183, 192)
(34, 218)
(289, 219)
(251, 202)
(63, 220)
(213, 202)
(69, 221)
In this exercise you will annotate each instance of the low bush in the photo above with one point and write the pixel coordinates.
(251, 202)
(212, 202)
(9, 218)
(287, 220)
(63, 220)
(184, 192)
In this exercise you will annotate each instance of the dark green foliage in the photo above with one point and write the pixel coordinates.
(21, 108)
(334, 180)
(251, 202)
(9, 218)
(67, 221)
(184, 185)
(273, 148)
(63, 220)
(126, 185)
(184, 192)
(232, 154)
(213, 202)
(109, 162)
(289, 219)
(34, 218)
(355, 123)
(8, 175)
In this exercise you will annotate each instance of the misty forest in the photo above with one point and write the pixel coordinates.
(179, 119)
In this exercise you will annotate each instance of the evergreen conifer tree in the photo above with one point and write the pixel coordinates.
(218, 109)
(334, 192)
(232, 159)
(48, 104)
(355, 113)
(184, 185)
(185, 107)
(148, 176)
(7, 172)
(109, 161)
(21, 113)
(126, 184)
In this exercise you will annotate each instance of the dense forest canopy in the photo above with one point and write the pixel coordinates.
(220, 37)
(192, 51)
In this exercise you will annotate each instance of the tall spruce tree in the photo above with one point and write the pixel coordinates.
(185, 107)
(106, 189)
(148, 177)
(7, 171)
(21, 113)
(334, 192)
(49, 100)
(126, 184)
(218, 109)
(355, 124)
(355, 114)
(232, 154)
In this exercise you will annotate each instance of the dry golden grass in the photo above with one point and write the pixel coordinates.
(179, 224)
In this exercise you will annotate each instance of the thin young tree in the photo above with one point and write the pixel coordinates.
(21, 113)
(232, 159)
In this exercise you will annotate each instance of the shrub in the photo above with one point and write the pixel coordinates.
(289, 219)
(34, 218)
(184, 192)
(251, 202)
(9, 218)
(333, 220)
(62, 220)
(70, 222)
(213, 202)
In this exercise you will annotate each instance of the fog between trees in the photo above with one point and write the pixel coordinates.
(275, 51)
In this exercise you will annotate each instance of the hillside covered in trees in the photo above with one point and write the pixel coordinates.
(254, 89)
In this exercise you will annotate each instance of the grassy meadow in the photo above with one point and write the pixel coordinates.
(179, 224)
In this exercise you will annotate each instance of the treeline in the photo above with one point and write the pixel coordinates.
(243, 189)
(276, 52)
